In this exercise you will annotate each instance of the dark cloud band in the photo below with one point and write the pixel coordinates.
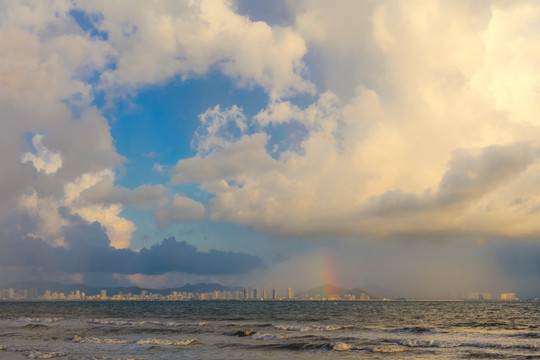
(89, 250)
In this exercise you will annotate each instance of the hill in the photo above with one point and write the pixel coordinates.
(42, 285)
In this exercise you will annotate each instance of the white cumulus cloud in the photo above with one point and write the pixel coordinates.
(44, 160)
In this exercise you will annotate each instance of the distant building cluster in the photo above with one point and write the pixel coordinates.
(479, 296)
(508, 297)
(487, 296)
(246, 294)
(336, 297)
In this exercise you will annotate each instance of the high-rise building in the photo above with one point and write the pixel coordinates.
(103, 294)
(265, 294)
(256, 294)
(274, 294)
(290, 293)
(246, 294)
(508, 297)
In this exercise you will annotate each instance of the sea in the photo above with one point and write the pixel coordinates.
(269, 330)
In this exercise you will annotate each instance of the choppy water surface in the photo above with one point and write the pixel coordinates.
(269, 330)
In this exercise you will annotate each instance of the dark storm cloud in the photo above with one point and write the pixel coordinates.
(520, 259)
(88, 250)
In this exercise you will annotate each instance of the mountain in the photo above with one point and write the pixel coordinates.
(42, 285)
(382, 292)
(206, 287)
(331, 291)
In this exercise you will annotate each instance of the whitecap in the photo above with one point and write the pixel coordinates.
(341, 346)
(164, 342)
(94, 340)
(264, 337)
(304, 328)
(388, 350)
(43, 355)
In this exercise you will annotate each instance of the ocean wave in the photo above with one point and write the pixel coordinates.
(322, 346)
(164, 342)
(524, 346)
(486, 324)
(178, 324)
(40, 320)
(43, 355)
(35, 326)
(265, 337)
(388, 349)
(116, 322)
(243, 333)
(94, 340)
(486, 355)
(425, 344)
(441, 344)
(305, 328)
(528, 335)
(340, 346)
(415, 330)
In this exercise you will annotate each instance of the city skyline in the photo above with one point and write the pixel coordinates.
(328, 292)
(246, 295)
(389, 145)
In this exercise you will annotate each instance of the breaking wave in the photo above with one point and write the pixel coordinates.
(166, 342)
(150, 341)
(305, 328)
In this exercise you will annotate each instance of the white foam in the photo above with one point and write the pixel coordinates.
(290, 327)
(116, 322)
(264, 337)
(164, 342)
(341, 346)
(40, 320)
(94, 340)
(171, 324)
(388, 350)
(425, 344)
(43, 355)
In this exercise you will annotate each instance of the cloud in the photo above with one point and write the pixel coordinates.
(472, 176)
(46, 65)
(248, 154)
(88, 250)
(53, 66)
(219, 128)
(182, 209)
(143, 197)
(418, 150)
(45, 160)
(520, 259)
(425, 126)
(155, 43)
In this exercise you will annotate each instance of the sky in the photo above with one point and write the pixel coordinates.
(383, 144)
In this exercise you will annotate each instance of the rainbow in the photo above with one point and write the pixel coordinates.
(327, 274)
